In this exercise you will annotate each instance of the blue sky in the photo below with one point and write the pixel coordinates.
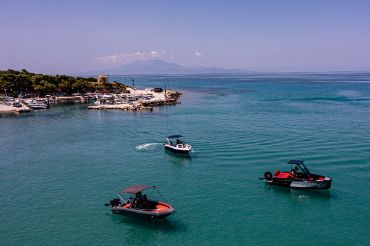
(287, 35)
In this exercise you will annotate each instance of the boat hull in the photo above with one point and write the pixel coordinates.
(164, 211)
(176, 150)
(35, 107)
(301, 184)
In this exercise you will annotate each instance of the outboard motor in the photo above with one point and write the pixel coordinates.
(113, 203)
(268, 175)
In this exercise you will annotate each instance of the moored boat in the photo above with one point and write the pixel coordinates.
(298, 177)
(140, 205)
(175, 143)
(38, 104)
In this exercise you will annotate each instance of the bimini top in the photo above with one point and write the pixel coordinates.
(136, 188)
(295, 162)
(175, 136)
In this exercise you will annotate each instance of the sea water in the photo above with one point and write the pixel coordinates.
(59, 166)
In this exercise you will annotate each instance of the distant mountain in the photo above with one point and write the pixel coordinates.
(148, 67)
(162, 67)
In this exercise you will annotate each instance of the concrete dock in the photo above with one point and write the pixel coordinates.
(9, 109)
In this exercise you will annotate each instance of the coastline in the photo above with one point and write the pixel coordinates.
(142, 102)
(5, 109)
(132, 100)
(42, 91)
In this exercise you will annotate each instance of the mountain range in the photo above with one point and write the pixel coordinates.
(161, 67)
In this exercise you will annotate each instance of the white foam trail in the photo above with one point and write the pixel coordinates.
(147, 146)
(348, 93)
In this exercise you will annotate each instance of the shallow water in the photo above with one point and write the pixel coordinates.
(58, 167)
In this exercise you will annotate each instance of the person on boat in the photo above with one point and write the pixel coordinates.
(293, 172)
(297, 174)
(145, 203)
(138, 200)
(178, 141)
(132, 201)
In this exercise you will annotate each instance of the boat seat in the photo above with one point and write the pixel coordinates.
(276, 173)
(283, 175)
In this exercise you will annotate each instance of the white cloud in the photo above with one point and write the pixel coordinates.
(199, 54)
(124, 57)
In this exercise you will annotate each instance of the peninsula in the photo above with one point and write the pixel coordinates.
(24, 91)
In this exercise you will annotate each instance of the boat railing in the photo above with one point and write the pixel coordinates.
(123, 200)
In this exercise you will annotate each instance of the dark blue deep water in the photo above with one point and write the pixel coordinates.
(58, 167)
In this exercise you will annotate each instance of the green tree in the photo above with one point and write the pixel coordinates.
(44, 87)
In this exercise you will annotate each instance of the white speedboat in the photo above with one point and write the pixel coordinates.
(38, 104)
(174, 143)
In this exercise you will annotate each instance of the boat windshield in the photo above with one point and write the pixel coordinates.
(304, 169)
(300, 170)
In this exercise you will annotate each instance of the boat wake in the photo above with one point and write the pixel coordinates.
(348, 93)
(303, 196)
(148, 146)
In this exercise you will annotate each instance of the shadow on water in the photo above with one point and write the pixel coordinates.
(301, 193)
(165, 224)
(141, 231)
(180, 159)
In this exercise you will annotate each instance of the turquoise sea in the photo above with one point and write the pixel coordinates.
(58, 167)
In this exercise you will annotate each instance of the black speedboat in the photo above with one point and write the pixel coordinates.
(298, 177)
(175, 143)
(132, 201)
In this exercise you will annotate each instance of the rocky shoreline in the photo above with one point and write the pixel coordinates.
(133, 100)
(142, 101)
